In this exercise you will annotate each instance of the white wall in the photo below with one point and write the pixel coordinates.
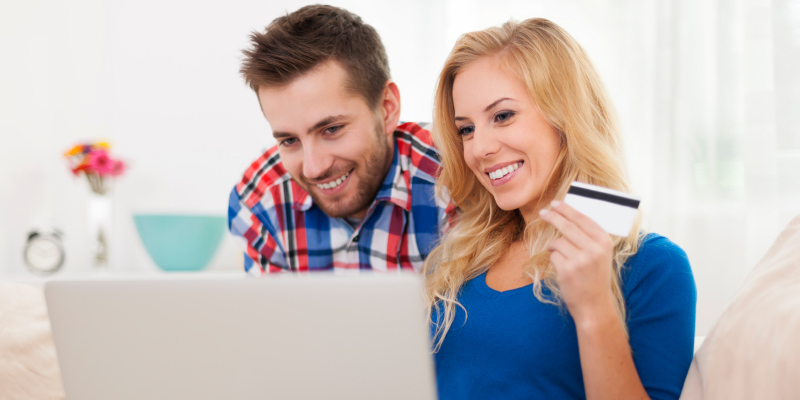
(159, 79)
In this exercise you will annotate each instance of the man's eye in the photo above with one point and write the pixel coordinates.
(333, 129)
(466, 130)
(503, 116)
(288, 142)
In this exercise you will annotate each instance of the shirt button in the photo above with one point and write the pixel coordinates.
(355, 239)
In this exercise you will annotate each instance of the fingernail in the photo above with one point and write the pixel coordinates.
(555, 203)
(543, 211)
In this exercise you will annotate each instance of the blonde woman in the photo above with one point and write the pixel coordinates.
(529, 298)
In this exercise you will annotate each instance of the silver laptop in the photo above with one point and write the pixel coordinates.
(286, 337)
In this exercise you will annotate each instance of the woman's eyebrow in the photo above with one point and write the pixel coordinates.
(496, 102)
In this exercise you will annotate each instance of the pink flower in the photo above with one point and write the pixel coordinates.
(99, 162)
(118, 168)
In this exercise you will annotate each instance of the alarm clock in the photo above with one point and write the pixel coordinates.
(44, 252)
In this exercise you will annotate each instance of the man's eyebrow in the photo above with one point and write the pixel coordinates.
(496, 102)
(325, 121)
(320, 124)
(281, 135)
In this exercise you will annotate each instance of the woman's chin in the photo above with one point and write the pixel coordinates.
(507, 204)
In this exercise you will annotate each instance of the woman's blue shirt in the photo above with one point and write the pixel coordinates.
(512, 346)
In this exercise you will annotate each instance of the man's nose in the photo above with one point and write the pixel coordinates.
(316, 161)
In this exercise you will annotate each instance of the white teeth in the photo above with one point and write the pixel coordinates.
(335, 183)
(497, 174)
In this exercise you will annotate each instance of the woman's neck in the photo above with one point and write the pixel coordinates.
(509, 271)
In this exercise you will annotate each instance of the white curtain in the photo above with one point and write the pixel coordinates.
(724, 174)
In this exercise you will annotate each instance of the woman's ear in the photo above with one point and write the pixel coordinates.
(390, 107)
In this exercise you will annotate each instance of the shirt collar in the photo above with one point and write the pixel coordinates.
(394, 189)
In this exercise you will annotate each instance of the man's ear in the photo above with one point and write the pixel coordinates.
(390, 107)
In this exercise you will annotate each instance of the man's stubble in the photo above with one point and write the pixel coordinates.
(369, 184)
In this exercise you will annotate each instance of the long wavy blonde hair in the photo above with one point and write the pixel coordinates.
(564, 85)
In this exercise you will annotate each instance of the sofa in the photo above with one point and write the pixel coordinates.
(752, 351)
(28, 364)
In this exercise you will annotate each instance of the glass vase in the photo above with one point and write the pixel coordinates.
(100, 207)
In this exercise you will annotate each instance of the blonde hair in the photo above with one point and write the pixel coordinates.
(565, 87)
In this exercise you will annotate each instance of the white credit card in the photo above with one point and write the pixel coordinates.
(614, 211)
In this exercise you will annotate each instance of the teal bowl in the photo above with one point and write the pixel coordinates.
(180, 242)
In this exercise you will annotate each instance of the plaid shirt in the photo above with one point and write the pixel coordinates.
(284, 230)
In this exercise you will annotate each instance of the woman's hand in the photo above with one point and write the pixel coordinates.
(582, 258)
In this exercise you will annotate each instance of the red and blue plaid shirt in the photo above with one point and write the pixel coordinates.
(284, 230)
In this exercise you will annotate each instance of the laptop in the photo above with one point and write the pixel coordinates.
(313, 336)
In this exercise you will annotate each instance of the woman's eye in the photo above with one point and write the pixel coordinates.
(288, 142)
(503, 116)
(466, 130)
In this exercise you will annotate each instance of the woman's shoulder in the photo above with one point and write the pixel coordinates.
(655, 249)
(658, 261)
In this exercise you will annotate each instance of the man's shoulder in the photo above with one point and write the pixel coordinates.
(417, 150)
(263, 175)
(421, 131)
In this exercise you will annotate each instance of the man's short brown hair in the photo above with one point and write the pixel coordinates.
(296, 43)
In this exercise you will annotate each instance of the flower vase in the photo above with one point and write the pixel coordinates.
(100, 206)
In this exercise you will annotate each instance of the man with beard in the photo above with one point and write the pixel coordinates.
(346, 187)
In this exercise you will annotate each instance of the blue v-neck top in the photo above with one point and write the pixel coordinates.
(512, 346)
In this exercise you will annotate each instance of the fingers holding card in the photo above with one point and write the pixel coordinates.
(613, 210)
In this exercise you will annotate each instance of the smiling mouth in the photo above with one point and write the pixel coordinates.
(500, 173)
(334, 183)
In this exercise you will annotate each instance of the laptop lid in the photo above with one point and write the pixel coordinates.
(287, 337)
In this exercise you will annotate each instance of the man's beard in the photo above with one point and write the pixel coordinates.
(371, 178)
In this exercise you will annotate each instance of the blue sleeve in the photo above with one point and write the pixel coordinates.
(661, 299)
(424, 210)
(236, 225)
(262, 249)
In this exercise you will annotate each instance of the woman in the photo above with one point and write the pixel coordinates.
(529, 298)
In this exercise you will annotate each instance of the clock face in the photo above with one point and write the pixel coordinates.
(44, 254)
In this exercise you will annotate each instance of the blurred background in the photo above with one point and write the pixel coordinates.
(707, 91)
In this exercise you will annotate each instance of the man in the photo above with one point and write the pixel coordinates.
(345, 187)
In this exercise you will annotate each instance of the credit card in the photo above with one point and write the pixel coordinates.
(614, 211)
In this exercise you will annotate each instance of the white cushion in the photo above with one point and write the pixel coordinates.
(28, 364)
(753, 351)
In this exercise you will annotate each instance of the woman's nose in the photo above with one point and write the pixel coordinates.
(485, 143)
